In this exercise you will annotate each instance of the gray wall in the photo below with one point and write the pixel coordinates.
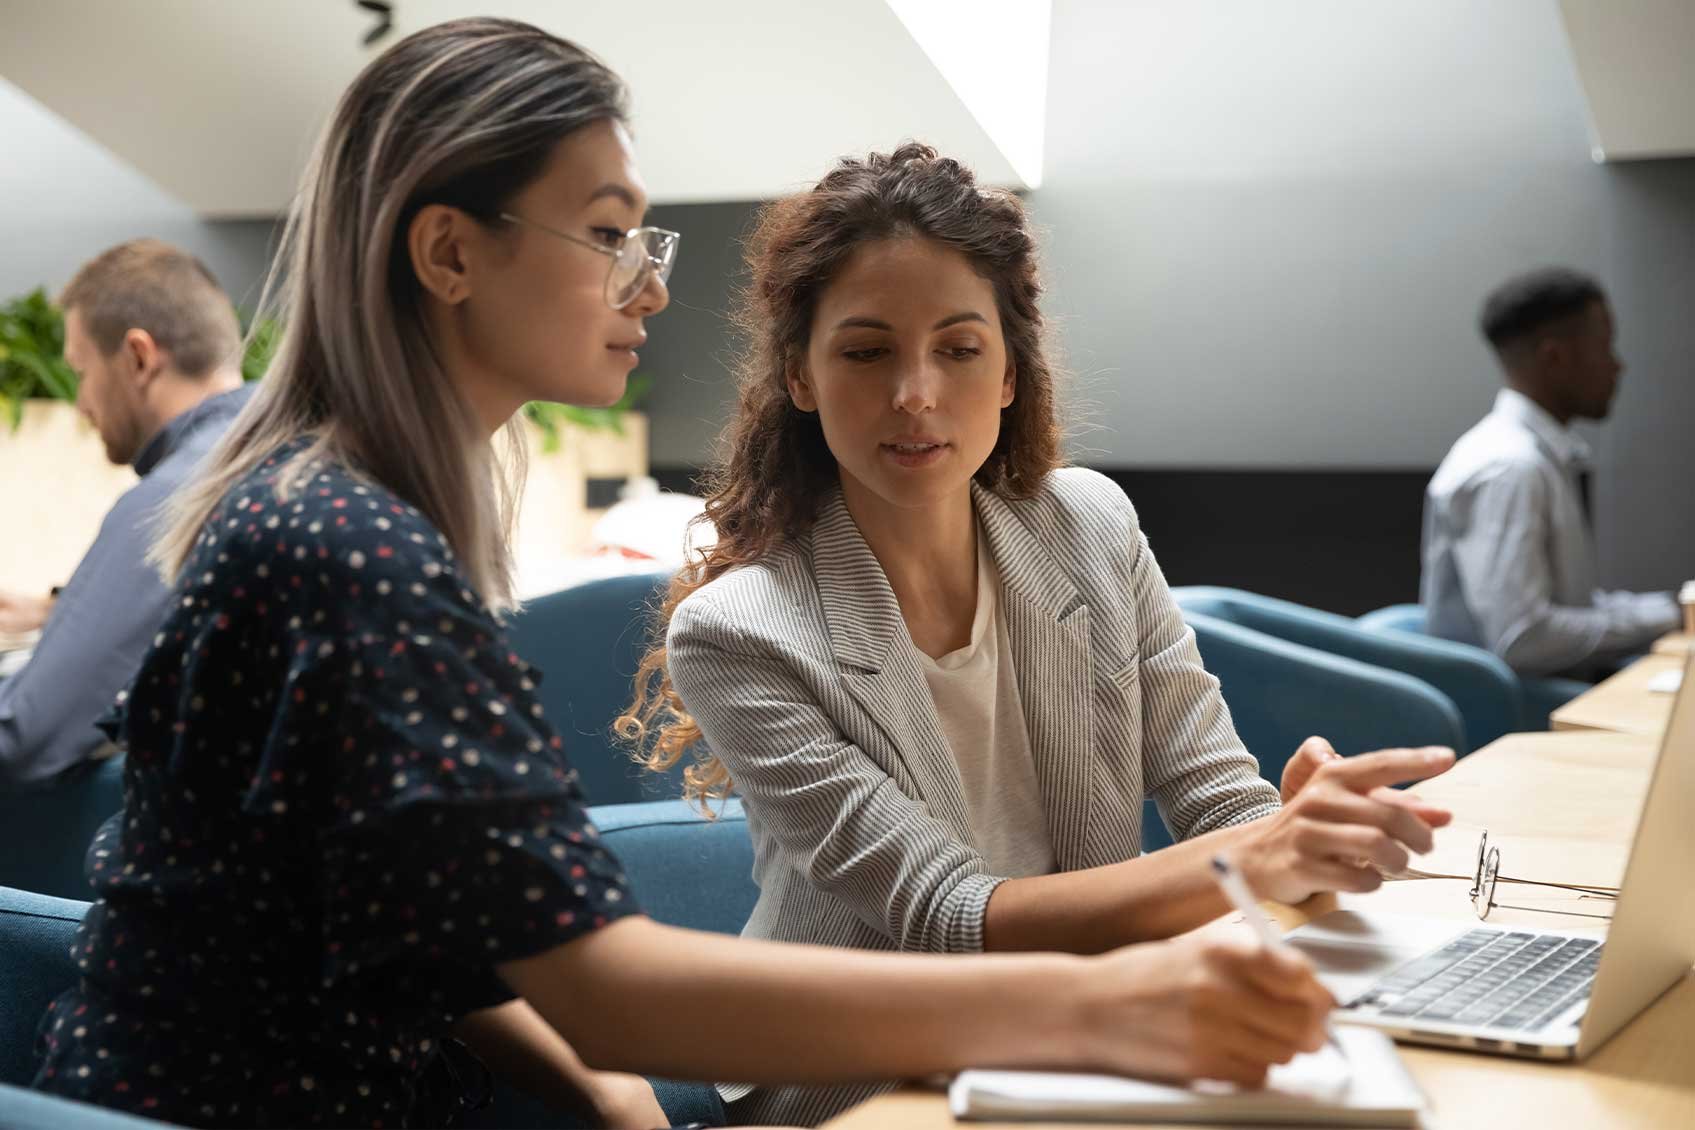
(1646, 452)
(64, 199)
(1270, 226)
(690, 349)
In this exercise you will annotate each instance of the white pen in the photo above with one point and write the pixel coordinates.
(1235, 889)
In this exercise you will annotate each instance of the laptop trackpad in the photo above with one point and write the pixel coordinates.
(1351, 950)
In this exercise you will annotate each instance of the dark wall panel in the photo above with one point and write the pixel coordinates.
(1346, 541)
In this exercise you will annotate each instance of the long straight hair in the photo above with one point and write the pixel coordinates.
(465, 113)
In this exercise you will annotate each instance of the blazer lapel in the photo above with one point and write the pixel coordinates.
(1048, 628)
(868, 637)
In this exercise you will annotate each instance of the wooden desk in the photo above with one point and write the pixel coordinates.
(1574, 802)
(1572, 799)
(1675, 643)
(1623, 703)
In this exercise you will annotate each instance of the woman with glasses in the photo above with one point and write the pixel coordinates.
(350, 838)
(941, 670)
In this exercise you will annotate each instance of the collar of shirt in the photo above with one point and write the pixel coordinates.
(168, 438)
(1565, 445)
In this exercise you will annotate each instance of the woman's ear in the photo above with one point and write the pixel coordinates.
(436, 242)
(1009, 384)
(800, 387)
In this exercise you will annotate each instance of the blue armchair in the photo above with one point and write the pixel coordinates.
(684, 870)
(588, 640)
(35, 967)
(45, 829)
(1541, 696)
(1483, 688)
(23, 1109)
(1282, 693)
(1396, 617)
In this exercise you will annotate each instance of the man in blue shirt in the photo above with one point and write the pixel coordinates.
(157, 348)
(1509, 554)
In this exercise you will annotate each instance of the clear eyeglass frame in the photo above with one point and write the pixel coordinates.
(1488, 876)
(642, 255)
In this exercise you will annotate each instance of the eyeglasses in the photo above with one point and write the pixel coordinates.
(640, 255)
(1489, 873)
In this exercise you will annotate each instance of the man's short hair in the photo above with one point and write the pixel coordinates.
(1529, 302)
(147, 284)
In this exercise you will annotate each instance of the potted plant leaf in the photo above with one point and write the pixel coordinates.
(32, 355)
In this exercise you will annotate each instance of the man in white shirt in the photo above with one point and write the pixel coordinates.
(1509, 553)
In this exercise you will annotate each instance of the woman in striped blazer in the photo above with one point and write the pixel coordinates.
(942, 672)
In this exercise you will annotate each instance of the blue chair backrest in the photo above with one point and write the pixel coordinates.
(1281, 693)
(685, 869)
(1540, 695)
(35, 966)
(1396, 618)
(45, 829)
(588, 640)
(1484, 688)
(22, 1109)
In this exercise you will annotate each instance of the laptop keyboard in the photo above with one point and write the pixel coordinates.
(1491, 979)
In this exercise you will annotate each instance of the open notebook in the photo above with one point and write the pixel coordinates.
(1365, 1084)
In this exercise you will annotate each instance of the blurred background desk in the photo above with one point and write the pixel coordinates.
(1623, 703)
(1674, 643)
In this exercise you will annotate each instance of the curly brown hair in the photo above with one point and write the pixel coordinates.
(774, 466)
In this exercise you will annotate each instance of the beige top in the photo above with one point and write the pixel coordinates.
(975, 690)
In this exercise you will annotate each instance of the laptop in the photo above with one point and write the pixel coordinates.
(1544, 994)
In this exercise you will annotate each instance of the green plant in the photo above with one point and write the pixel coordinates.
(32, 354)
(550, 417)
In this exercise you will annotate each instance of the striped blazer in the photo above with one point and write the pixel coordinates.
(804, 682)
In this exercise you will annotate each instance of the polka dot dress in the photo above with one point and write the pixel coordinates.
(342, 809)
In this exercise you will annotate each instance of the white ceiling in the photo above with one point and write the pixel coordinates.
(1636, 60)
(218, 101)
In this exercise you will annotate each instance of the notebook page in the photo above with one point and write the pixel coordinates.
(1365, 1084)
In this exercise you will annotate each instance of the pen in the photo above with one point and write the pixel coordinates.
(1235, 889)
